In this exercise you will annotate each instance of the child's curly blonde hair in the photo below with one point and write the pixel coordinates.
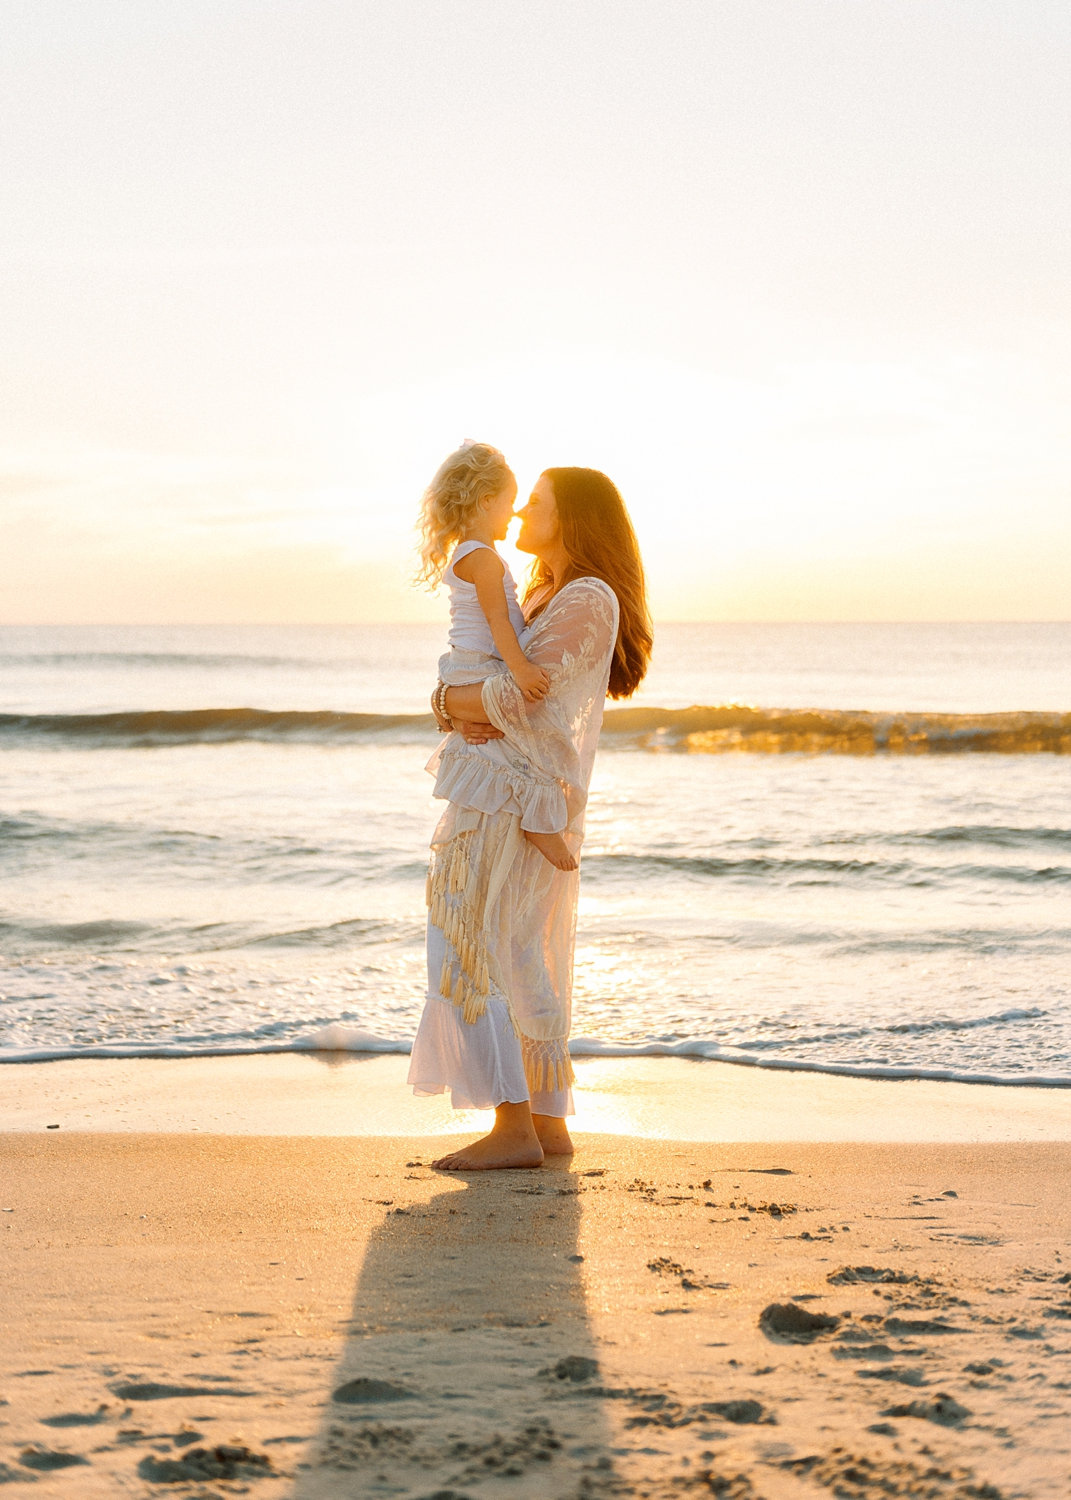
(473, 471)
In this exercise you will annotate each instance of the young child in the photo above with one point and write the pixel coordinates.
(467, 508)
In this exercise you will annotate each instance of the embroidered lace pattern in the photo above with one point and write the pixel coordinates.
(508, 915)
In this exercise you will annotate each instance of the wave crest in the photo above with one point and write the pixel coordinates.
(711, 729)
(725, 729)
(207, 726)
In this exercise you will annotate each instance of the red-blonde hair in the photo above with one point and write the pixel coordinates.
(598, 536)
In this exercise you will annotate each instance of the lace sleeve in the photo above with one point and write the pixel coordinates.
(573, 640)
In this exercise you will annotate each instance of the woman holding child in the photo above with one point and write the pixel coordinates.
(523, 693)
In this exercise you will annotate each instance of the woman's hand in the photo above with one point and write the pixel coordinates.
(474, 732)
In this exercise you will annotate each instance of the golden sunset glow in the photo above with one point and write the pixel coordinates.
(794, 276)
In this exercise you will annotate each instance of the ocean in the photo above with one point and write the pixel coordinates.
(833, 847)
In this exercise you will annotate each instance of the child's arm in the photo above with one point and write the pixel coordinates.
(485, 569)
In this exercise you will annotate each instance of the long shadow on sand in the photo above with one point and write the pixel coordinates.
(469, 1356)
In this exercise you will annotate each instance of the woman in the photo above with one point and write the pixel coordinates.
(502, 918)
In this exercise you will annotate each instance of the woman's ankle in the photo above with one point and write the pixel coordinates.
(553, 1134)
(516, 1122)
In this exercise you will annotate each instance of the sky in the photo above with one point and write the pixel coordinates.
(796, 275)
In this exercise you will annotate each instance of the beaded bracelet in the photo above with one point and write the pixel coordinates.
(440, 708)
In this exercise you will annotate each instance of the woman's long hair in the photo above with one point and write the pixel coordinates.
(598, 536)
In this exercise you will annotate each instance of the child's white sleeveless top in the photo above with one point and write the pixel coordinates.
(469, 630)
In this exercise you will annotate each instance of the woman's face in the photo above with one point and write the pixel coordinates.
(540, 530)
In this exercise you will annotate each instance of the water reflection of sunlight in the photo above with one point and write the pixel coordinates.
(606, 1102)
(604, 971)
(602, 1109)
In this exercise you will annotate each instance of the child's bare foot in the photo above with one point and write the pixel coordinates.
(553, 847)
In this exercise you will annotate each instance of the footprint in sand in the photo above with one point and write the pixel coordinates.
(904, 1374)
(104, 1413)
(364, 1388)
(787, 1323)
(509, 1457)
(844, 1472)
(355, 1447)
(863, 1350)
(918, 1325)
(944, 1409)
(228, 1461)
(45, 1459)
(662, 1411)
(663, 1266)
(574, 1367)
(151, 1390)
(885, 1275)
(727, 1486)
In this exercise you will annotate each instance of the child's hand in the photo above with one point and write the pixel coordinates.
(532, 681)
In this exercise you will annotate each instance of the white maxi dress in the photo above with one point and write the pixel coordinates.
(501, 917)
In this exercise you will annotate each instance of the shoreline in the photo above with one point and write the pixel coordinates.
(337, 1040)
(652, 1098)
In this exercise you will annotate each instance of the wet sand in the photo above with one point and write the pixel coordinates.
(663, 1098)
(323, 1317)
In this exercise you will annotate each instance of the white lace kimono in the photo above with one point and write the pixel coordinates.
(502, 918)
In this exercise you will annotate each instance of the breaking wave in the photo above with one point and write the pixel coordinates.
(719, 730)
(207, 726)
(338, 1037)
(704, 729)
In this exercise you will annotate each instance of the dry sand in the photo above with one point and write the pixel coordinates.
(318, 1318)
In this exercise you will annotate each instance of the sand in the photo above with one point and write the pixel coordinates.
(310, 1316)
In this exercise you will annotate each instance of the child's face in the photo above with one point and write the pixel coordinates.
(500, 510)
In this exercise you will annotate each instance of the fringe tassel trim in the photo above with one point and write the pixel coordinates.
(548, 1067)
(455, 908)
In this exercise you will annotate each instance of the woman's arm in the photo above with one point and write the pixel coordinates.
(466, 702)
(469, 717)
(573, 640)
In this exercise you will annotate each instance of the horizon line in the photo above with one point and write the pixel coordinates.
(434, 624)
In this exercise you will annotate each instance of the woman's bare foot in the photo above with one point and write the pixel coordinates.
(553, 1135)
(512, 1142)
(553, 847)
